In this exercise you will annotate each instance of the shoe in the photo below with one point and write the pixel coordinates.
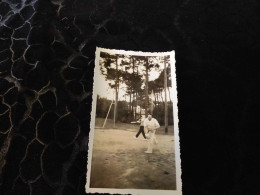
(145, 139)
(148, 152)
(134, 137)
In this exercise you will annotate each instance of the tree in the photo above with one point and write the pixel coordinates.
(133, 71)
(110, 69)
(133, 81)
(148, 62)
(162, 83)
(165, 97)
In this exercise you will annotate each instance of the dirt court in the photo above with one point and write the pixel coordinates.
(119, 161)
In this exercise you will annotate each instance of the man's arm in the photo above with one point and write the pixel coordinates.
(157, 125)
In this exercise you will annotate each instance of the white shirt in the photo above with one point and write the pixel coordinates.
(151, 124)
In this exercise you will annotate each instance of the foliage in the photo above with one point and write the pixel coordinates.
(159, 113)
(132, 71)
(102, 107)
(124, 114)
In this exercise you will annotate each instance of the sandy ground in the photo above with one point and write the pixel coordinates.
(119, 161)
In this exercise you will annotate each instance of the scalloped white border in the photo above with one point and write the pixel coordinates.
(176, 128)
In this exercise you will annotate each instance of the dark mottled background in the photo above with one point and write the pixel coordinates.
(47, 50)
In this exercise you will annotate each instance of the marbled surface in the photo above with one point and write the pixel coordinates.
(47, 50)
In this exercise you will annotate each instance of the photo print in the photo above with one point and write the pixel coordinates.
(134, 137)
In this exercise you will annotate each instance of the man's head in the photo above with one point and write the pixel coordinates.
(149, 117)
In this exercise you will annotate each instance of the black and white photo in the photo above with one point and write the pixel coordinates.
(134, 137)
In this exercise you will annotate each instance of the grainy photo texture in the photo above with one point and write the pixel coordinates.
(134, 143)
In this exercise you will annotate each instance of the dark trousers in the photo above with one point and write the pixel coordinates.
(141, 130)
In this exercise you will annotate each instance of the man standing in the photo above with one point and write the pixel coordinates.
(151, 125)
(141, 129)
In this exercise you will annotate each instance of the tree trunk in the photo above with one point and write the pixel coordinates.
(169, 95)
(165, 98)
(133, 90)
(146, 88)
(133, 104)
(130, 103)
(136, 99)
(117, 91)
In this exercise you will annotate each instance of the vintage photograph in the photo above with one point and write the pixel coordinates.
(134, 141)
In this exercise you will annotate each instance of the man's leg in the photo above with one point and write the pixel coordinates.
(155, 140)
(142, 130)
(150, 143)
